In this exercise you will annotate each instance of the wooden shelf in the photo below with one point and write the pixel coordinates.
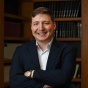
(68, 19)
(27, 39)
(76, 80)
(68, 39)
(7, 61)
(16, 17)
(16, 39)
(50, 0)
(27, 0)
(78, 59)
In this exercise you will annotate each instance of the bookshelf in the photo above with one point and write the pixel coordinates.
(25, 7)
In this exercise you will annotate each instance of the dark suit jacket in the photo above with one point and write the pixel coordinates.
(59, 71)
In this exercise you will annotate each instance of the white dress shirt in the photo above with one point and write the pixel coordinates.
(43, 55)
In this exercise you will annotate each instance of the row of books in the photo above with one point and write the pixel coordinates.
(62, 8)
(12, 29)
(70, 29)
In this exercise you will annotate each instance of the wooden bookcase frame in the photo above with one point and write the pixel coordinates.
(84, 39)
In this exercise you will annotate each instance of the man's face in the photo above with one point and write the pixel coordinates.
(43, 28)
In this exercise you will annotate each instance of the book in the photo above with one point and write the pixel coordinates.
(12, 29)
(79, 71)
(79, 27)
(65, 6)
(77, 9)
(76, 70)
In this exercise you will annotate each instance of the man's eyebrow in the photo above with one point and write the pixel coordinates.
(42, 21)
(35, 21)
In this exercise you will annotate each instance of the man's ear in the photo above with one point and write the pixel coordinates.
(54, 25)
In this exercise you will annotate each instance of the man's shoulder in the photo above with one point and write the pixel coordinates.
(64, 44)
(28, 44)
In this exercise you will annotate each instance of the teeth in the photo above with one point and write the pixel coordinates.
(41, 33)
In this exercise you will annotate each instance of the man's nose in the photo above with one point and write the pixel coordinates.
(41, 27)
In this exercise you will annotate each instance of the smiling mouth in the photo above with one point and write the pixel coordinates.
(42, 33)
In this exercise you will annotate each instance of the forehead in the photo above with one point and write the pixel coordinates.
(41, 17)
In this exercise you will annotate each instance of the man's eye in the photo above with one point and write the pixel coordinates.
(35, 23)
(46, 23)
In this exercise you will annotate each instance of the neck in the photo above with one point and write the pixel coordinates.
(43, 45)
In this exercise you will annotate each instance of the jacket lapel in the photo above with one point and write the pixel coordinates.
(34, 54)
(52, 55)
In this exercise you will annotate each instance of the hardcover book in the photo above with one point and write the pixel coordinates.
(12, 29)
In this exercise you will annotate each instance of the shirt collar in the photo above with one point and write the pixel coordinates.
(49, 44)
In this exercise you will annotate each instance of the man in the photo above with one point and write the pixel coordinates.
(43, 62)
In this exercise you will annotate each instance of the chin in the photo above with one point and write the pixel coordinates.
(41, 40)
